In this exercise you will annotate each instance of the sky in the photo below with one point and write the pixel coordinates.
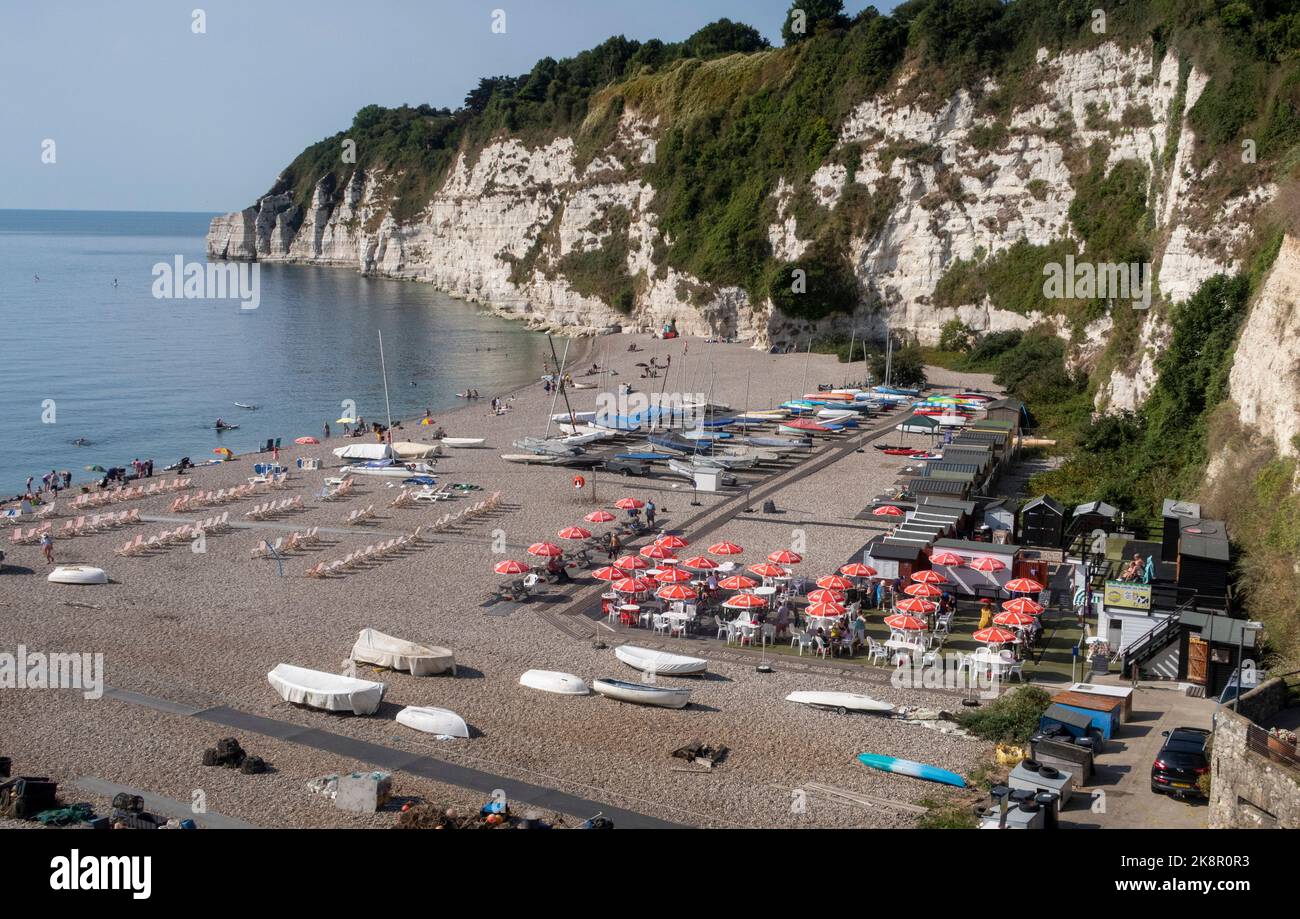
(146, 113)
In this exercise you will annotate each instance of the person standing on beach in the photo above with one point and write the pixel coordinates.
(327, 430)
(650, 514)
(29, 484)
(47, 547)
(612, 545)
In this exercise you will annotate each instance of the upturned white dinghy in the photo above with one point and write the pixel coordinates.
(77, 574)
(463, 441)
(374, 647)
(642, 693)
(328, 691)
(564, 684)
(649, 660)
(840, 701)
(441, 722)
(530, 459)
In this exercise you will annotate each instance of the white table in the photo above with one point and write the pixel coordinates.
(764, 591)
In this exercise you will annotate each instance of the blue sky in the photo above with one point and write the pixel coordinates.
(147, 115)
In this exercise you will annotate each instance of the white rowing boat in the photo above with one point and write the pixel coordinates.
(642, 693)
(533, 459)
(441, 722)
(648, 660)
(77, 574)
(328, 691)
(463, 441)
(840, 701)
(564, 684)
(374, 647)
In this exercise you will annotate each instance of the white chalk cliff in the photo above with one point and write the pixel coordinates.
(507, 200)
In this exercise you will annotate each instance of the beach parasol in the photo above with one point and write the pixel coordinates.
(903, 623)
(1022, 605)
(633, 585)
(700, 563)
(672, 541)
(676, 592)
(785, 557)
(627, 504)
(657, 550)
(767, 570)
(1022, 586)
(922, 590)
(887, 510)
(915, 605)
(859, 570)
(823, 595)
(306, 440)
(1016, 620)
(346, 421)
(574, 533)
(600, 516)
(737, 582)
(834, 582)
(510, 566)
(947, 559)
(672, 576)
(608, 573)
(927, 577)
(631, 562)
(223, 451)
(987, 564)
(725, 548)
(745, 601)
(545, 550)
(994, 635)
(825, 610)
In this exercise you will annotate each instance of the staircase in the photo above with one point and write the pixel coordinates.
(1159, 637)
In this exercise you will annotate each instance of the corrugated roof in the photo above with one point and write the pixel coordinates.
(894, 551)
(970, 545)
(924, 486)
(966, 507)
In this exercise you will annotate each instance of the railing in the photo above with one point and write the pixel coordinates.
(1259, 741)
(1150, 641)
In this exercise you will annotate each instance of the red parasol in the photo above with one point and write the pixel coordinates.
(922, 590)
(672, 541)
(631, 562)
(1019, 620)
(672, 576)
(626, 504)
(928, 577)
(887, 510)
(545, 550)
(995, 635)
(676, 592)
(700, 563)
(904, 623)
(947, 559)
(725, 548)
(737, 582)
(574, 533)
(785, 557)
(859, 570)
(600, 516)
(1022, 586)
(915, 605)
(1022, 605)
(510, 566)
(834, 582)
(767, 570)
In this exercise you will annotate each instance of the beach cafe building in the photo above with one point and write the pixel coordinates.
(894, 557)
(966, 580)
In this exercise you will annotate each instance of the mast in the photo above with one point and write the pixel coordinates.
(383, 369)
(559, 383)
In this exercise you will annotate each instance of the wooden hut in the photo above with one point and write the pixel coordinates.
(1042, 523)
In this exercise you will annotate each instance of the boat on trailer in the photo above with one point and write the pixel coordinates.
(841, 702)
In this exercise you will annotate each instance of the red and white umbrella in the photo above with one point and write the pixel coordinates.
(1022, 586)
(672, 541)
(305, 441)
(988, 565)
(657, 550)
(887, 510)
(631, 563)
(700, 563)
(922, 590)
(672, 576)
(824, 595)
(510, 566)
(545, 550)
(784, 557)
(600, 516)
(1022, 605)
(928, 577)
(633, 585)
(767, 570)
(676, 592)
(916, 605)
(737, 582)
(859, 570)
(627, 504)
(608, 573)
(904, 623)
(825, 610)
(994, 635)
(834, 582)
(745, 601)
(947, 559)
(1016, 620)
(574, 533)
(725, 548)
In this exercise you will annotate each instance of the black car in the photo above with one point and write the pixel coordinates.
(1180, 763)
(627, 467)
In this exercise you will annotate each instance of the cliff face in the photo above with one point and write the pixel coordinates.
(509, 218)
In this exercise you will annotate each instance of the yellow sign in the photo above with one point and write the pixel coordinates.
(1128, 595)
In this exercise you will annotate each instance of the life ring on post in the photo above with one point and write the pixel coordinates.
(579, 481)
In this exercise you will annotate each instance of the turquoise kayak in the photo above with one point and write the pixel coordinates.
(910, 767)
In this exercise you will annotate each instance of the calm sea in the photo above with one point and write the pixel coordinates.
(139, 376)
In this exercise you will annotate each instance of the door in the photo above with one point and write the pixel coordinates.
(1198, 657)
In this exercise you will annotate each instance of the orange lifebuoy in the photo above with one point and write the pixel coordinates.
(579, 481)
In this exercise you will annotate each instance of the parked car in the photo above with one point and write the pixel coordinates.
(1180, 763)
(627, 467)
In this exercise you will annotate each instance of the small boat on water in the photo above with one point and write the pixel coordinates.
(327, 691)
(463, 441)
(374, 647)
(911, 767)
(558, 682)
(642, 693)
(226, 427)
(251, 408)
(441, 722)
(649, 660)
(841, 702)
(77, 574)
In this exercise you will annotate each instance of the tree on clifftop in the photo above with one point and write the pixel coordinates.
(805, 17)
(725, 37)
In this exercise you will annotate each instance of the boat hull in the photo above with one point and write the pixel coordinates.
(648, 660)
(440, 722)
(840, 701)
(77, 574)
(382, 650)
(563, 684)
(911, 768)
(639, 694)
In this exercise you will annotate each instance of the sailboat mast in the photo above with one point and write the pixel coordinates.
(559, 382)
(383, 369)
